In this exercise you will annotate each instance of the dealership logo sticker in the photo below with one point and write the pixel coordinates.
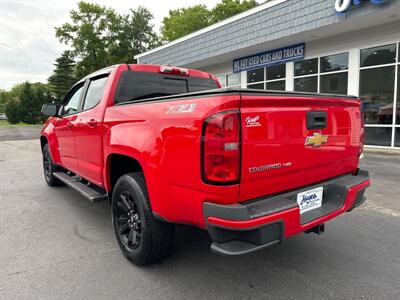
(253, 121)
(309, 200)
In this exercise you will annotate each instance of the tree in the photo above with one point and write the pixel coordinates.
(12, 111)
(87, 35)
(27, 103)
(42, 94)
(63, 77)
(229, 8)
(99, 37)
(12, 108)
(3, 100)
(133, 35)
(181, 22)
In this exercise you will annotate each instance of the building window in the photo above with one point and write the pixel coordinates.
(270, 78)
(378, 55)
(377, 94)
(398, 93)
(233, 79)
(306, 67)
(222, 80)
(378, 136)
(379, 91)
(229, 80)
(327, 74)
(306, 84)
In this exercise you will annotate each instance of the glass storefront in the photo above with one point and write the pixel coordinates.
(379, 68)
(378, 85)
(229, 80)
(327, 74)
(271, 78)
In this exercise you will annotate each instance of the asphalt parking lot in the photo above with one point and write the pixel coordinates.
(55, 244)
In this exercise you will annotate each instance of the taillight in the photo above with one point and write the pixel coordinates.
(221, 148)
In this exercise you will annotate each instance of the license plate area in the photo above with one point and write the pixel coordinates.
(310, 200)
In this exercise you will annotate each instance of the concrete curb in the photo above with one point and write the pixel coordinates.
(382, 151)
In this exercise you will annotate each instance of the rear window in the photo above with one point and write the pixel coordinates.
(143, 85)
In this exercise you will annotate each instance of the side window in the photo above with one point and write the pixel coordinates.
(71, 107)
(95, 92)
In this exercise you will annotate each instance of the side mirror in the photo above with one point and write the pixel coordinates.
(51, 109)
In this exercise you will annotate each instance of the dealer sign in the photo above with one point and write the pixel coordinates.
(268, 58)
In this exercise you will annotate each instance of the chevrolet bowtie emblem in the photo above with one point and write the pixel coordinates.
(316, 140)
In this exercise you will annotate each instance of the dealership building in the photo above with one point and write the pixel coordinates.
(348, 47)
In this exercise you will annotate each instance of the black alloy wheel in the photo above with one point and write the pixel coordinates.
(49, 168)
(142, 238)
(128, 221)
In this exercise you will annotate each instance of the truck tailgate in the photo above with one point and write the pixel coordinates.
(293, 141)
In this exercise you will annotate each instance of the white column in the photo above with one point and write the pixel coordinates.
(290, 77)
(243, 79)
(354, 73)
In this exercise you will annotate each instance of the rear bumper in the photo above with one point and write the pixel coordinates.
(257, 224)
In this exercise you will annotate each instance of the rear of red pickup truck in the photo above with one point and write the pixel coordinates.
(166, 145)
(295, 159)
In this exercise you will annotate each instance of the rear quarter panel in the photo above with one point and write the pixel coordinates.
(167, 145)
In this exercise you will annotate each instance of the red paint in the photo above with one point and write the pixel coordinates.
(168, 148)
(291, 217)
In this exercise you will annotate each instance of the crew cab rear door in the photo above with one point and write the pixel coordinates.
(89, 131)
(291, 141)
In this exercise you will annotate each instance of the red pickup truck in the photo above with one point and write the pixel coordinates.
(168, 146)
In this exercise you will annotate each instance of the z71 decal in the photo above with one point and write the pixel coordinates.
(181, 109)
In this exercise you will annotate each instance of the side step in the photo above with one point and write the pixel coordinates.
(90, 192)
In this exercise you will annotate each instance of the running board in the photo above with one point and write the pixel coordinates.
(90, 192)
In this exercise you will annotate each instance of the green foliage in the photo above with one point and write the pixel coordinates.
(134, 34)
(229, 8)
(3, 100)
(12, 111)
(41, 95)
(63, 77)
(100, 37)
(25, 102)
(183, 21)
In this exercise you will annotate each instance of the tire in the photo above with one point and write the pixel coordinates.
(142, 239)
(49, 168)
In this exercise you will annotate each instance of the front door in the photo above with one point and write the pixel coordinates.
(63, 129)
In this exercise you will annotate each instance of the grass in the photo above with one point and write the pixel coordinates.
(4, 123)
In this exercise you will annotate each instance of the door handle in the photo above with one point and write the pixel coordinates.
(92, 123)
(69, 125)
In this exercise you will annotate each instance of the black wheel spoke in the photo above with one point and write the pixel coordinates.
(127, 221)
(123, 204)
(123, 227)
(131, 236)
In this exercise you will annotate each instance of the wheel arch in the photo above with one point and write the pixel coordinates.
(120, 164)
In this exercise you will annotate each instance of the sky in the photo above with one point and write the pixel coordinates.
(28, 46)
